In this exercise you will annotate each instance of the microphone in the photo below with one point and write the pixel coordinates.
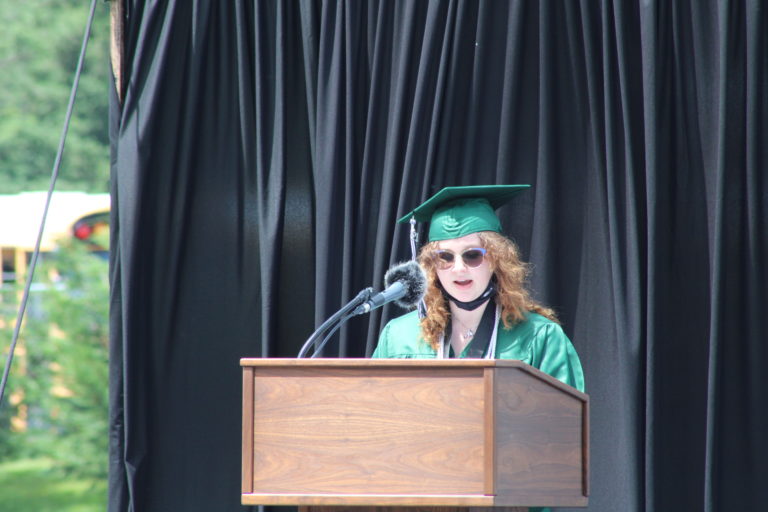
(405, 285)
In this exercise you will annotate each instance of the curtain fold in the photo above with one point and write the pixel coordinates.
(264, 151)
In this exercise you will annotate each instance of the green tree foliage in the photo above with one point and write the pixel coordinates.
(39, 47)
(62, 373)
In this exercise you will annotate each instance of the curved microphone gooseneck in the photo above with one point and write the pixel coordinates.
(342, 314)
(405, 285)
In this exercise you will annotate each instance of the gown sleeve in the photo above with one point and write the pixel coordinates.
(553, 353)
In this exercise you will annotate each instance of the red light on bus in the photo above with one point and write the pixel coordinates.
(83, 231)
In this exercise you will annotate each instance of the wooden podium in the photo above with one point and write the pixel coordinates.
(427, 433)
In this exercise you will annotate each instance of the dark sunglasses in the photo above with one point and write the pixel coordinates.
(472, 257)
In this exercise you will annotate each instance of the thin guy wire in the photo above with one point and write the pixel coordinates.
(54, 176)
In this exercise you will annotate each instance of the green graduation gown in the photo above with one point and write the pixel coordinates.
(537, 341)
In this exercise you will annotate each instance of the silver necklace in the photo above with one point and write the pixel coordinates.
(444, 348)
(468, 333)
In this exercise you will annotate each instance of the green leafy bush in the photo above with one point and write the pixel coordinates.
(40, 44)
(60, 377)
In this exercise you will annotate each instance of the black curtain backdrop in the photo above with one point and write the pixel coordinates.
(263, 151)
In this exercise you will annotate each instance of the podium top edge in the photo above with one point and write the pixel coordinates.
(361, 362)
(350, 363)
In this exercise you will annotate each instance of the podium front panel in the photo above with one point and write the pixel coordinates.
(379, 430)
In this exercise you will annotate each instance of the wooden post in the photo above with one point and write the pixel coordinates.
(117, 43)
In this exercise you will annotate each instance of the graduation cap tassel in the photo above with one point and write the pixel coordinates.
(414, 238)
(422, 307)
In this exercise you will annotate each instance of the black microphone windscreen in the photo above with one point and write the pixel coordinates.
(412, 276)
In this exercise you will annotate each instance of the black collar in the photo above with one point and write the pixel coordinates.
(489, 292)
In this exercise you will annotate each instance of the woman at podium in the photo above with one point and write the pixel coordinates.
(477, 303)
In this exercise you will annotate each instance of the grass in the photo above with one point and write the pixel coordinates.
(31, 485)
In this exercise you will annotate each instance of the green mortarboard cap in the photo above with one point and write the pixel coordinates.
(458, 211)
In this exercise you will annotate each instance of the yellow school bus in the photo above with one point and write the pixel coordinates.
(71, 214)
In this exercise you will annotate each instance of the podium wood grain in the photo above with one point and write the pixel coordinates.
(416, 433)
